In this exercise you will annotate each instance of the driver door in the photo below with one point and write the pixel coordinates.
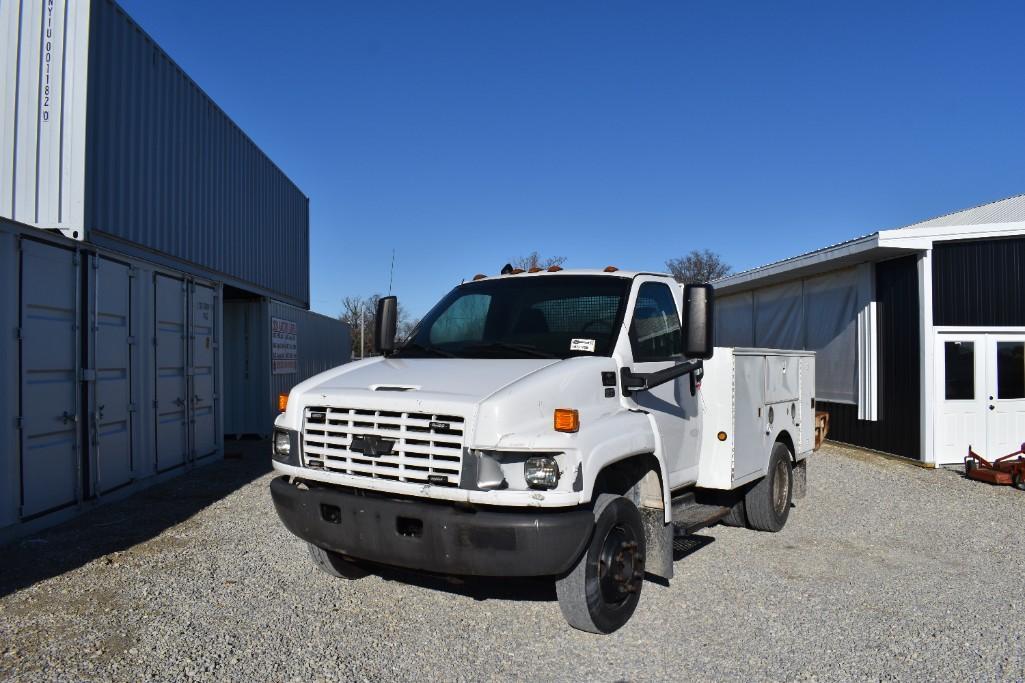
(656, 343)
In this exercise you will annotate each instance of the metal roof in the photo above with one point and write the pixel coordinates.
(1008, 210)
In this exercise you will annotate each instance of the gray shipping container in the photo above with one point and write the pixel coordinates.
(112, 378)
(104, 138)
(275, 346)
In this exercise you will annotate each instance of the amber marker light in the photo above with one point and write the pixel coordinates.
(567, 420)
(282, 402)
(479, 276)
(610, 269)
(721, 436)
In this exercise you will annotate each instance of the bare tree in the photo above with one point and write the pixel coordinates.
(698, 266)
(535, 260)
(359, 313)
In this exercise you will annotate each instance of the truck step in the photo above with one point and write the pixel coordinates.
(690, 516)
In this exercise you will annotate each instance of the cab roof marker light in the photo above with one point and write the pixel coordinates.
(554, 269)
(610, 269)
(535, 269)
(479, 276)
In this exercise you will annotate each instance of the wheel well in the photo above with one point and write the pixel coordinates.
(637, 478)
(784, 438)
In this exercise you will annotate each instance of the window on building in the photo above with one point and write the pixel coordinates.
(1010, 369)
(959, 370)
(655, 332)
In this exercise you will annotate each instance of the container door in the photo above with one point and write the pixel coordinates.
(202, 371)
(961, 399)
(50, 456)
(111, 386)
(172, 389)
(1005, 408)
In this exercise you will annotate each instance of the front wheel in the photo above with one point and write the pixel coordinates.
(768, 502)
(601, 592)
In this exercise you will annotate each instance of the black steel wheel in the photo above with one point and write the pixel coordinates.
(335, 565)
(601, 592)
(768, 502)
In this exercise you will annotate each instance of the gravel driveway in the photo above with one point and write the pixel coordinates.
(885, 571)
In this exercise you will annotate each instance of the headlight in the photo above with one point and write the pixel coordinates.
(541, 472)
(282, 444)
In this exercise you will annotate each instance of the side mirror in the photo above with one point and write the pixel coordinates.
(698, 322)
(385, 324)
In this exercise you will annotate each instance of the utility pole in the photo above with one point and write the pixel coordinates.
(362, 326)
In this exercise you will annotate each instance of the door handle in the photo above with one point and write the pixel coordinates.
(179, 402)
(68, 417)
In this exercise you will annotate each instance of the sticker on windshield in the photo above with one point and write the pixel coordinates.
(582, 345)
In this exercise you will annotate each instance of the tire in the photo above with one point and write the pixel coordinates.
(768, 503)
(598, 600)
(1018, 481)
(969, 465)
(335, 565)
(737, 515)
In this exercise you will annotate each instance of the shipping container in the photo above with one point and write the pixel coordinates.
(112, 377)
(275, 346)
(104, 138)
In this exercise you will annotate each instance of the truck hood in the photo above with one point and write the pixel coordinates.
(462, 380)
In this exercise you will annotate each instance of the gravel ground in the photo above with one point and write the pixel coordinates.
(885, 571)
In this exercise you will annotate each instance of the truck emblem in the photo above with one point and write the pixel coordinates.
(439, 425)
(371, 445)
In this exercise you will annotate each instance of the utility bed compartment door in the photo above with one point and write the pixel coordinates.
(782, 379)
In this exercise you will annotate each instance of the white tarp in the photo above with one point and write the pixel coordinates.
(817, 314)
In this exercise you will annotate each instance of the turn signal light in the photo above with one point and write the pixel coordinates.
(282, 402)
(567, 420)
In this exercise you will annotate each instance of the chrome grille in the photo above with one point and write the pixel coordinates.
(426, 448)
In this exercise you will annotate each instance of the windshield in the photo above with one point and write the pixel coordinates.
(556, 316)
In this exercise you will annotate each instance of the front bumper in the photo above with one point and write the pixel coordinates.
(435, 537)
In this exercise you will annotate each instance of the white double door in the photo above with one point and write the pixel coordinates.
(980, 394)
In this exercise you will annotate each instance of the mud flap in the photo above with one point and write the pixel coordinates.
(801, 479)
(658, 539)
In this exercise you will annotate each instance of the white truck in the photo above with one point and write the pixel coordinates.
(562, 423)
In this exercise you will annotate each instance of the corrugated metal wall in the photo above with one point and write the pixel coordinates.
(251, 389)
(167, 168)
(897, 429)
(43, 68)
(979, 282)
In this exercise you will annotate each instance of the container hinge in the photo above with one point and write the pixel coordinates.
(155, 340)
(17, 333)
(76, 259)
(19, 422)
(130, 341)
(215, 345)
(96, 263)
(132, 407)
(88, 375)
(156, 404)
(133, 271)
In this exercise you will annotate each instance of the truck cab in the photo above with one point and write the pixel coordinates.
(546, 423)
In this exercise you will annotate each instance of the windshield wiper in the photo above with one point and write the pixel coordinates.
(523, 348)
(413, 346)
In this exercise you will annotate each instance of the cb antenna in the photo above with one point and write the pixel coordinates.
(391, 274)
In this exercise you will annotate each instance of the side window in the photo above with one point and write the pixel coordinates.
(655, 332)
(463, 321)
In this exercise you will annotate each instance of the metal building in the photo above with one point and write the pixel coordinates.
(136, 220)
(919, 331)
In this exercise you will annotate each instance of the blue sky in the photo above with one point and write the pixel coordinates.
(463, 134)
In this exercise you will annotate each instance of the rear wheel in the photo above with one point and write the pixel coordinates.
(737, 516)
(768, 502)
(601, 592)
(1018, 480)
(334, 564)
